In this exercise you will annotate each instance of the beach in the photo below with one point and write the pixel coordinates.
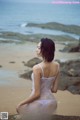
(13, 89)
(22, 25)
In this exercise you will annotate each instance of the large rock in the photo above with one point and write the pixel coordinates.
(33, 62)
(73, 73)
(26, 75)
(71, 48)
(74, 89)
(75, 49)
(69, 75)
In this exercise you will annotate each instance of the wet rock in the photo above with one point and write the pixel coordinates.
(23, 62)
(72, 72)
(77, 83)
(74, 89)
(33, 62)
(26, 75)
(11, 62)
(75, 49)
(71, 48)
(0, 66)
(69, 74)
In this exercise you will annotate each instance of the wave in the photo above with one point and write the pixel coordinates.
(23, 24)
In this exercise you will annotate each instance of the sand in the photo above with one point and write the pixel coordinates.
(14, 89)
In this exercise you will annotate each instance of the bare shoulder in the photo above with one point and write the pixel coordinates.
(56, 64)
(36, 68)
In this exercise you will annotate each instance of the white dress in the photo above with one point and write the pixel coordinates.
(43, 107)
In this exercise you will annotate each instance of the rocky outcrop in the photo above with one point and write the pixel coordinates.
(75, 49)
(69, 74)
(32, 62)
(57, 26)
(26, 75)
(71, 48)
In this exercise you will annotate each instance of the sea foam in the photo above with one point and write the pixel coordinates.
(23, 24)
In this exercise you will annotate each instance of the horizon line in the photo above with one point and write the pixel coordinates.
(65, 2)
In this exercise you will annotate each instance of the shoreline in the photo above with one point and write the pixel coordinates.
(58, 31)
(51, 28)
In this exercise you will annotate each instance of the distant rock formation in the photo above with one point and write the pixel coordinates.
(71, 48)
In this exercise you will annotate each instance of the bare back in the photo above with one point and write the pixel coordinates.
(49, 69)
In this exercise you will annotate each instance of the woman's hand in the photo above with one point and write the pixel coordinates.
(18, 107)
(52, 90)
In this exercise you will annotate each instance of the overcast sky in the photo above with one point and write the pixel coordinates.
(46, 1)
(37, 1)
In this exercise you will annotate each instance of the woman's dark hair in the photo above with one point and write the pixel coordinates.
(47, 49)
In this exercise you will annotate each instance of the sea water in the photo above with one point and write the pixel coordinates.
(14, 16)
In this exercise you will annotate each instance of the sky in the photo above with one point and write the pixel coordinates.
(38, 1)
(66, 1)
(45, 1)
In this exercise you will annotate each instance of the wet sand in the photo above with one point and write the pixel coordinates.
(14, 89)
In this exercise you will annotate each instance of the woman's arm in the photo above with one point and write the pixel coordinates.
(36, 93)
(54, 87)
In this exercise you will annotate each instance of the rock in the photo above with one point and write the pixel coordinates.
(69, 74)
(33, 62)
(74, 89)
(26, 75)
(11, 62)
(72, 72)
(77, 83)
(71, 48)
(23, 62)
(75, 49)
(0, 66)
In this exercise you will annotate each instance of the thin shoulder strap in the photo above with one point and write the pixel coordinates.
(41, 70)
(57, 71)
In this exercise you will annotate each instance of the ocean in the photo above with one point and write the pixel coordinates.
(14, 16)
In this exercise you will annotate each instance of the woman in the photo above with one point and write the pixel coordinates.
(42, 104)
